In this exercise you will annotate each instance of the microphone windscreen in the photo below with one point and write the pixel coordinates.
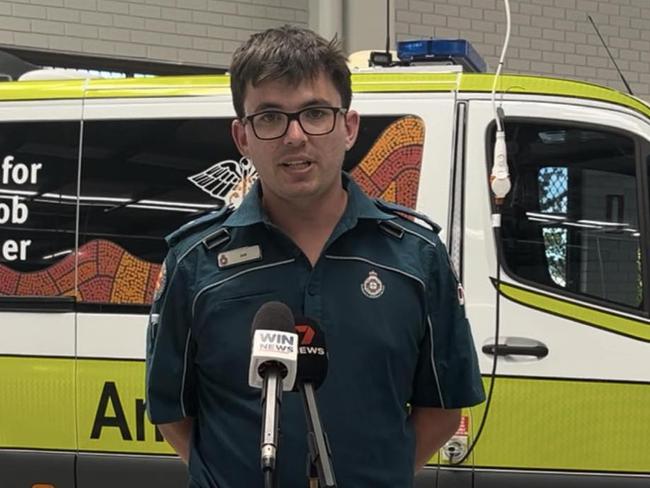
(274, 345)
(273, 316)
(312, 353)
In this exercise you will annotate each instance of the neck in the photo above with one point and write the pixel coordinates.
(323, 212)
(308, 224)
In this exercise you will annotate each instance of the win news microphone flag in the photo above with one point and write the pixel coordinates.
(274, 358)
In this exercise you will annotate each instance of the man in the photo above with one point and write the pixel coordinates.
(401, 359)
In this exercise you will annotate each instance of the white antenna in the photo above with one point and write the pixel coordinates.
(500, 177)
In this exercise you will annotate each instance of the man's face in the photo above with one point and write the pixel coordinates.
(297, 167)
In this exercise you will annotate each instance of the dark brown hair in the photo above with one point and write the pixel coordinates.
(289, 53)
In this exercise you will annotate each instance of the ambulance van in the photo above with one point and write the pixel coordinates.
(95, 172)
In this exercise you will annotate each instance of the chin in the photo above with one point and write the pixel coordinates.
(301, 193)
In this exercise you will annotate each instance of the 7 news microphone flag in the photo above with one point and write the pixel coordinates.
(312, 369)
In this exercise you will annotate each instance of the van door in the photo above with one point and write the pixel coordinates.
(403, 155)
(148, 167)
(574, 340)
(39, 158)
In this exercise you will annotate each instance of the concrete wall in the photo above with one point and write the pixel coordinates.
(364, 23)
(200, 32)
(550, 37)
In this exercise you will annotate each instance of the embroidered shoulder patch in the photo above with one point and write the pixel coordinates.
(161, 281)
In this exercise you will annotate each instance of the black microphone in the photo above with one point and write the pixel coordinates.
(312, 370)
(274, 355)
(312, 354)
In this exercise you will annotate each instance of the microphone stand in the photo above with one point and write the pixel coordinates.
(320, 471)
(271, 398)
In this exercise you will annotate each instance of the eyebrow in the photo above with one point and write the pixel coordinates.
(309, 103)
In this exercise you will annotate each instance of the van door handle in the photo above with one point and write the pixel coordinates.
(538, 351)
(516, 346)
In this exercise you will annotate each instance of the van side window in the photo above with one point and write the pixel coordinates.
(141, 180)
(571, 221)
(386, 159)
(38, 182)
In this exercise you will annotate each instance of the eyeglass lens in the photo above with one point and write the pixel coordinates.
(313, 121)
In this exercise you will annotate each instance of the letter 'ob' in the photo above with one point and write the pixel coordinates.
(274, 343)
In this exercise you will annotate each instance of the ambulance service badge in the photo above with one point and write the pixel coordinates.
(161, 281)
(372, 287)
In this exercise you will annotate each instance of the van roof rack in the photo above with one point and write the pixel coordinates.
(361, 62)
(419, 68)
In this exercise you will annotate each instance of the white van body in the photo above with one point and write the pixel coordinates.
(95, 172)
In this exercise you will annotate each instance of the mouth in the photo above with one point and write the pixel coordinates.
(297, 165)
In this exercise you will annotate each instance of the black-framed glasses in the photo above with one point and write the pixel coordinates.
(314, 121)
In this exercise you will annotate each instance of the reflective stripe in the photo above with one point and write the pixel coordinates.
(416, 234)
(536, 85)
(405, 82)
(187, 347)
(38, 403)
(433, 363)
(602, 319)
(397, 81)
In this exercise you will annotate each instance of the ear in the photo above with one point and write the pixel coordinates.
(238, 132)
(352, 120)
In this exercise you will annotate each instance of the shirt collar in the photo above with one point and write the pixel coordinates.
(359, 206)
(250, 210)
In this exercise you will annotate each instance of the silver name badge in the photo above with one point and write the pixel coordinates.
(239, 256)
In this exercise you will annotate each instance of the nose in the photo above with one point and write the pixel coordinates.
(294, 135)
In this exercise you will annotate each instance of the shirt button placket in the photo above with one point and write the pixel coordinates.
(313, 294)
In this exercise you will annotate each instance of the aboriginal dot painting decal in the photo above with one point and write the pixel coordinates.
(109, 274)
(391, 169)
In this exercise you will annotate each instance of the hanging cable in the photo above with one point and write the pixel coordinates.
(500, 176)
(500, 185)
(493, 373)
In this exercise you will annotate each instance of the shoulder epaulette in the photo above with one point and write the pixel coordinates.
(400, 209)
(199, 223)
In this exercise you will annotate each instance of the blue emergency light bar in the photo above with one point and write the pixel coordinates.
(457, 51)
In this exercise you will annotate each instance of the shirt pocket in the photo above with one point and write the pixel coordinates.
(224, 338)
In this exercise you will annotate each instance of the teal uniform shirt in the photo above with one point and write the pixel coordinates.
(388, 303)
